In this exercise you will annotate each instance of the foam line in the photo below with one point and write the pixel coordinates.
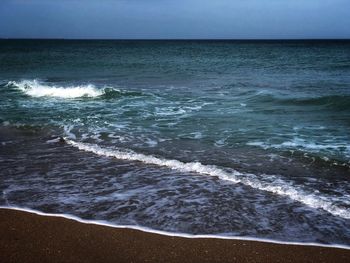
(274, 184)
(171, 234)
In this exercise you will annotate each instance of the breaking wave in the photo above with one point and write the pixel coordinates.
(34, 88)
(269, 183)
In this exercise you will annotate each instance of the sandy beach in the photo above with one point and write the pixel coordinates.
(27, 237)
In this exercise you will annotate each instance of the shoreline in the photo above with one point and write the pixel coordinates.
(26, 236)
(171, 234)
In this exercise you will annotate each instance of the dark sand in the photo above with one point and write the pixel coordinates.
(27, 237)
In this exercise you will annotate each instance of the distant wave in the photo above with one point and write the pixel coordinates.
(269, 183)
(34, 88)
(336, 102)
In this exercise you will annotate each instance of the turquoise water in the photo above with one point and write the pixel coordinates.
(203, 137)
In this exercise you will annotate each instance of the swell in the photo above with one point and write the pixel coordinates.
(35, 88)
(269, 183)
(335, 102)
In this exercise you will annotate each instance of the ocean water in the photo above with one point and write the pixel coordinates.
(227, 138)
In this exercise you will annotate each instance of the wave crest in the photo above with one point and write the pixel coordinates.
(34, 88)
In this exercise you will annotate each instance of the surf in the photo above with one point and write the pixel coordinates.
(37, 89)
(270, 183)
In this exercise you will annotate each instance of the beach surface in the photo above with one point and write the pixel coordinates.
(27, 237)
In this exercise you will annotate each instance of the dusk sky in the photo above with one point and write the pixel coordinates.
(236, 19)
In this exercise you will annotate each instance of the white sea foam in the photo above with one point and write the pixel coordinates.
(35, 88)
(68, 131)
(270, 183)
(55, 140)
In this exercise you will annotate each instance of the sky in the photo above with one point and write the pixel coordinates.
(175, 19)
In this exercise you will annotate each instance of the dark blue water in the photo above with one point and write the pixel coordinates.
(202, 137)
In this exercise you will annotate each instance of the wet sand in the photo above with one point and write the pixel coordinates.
(27, 237)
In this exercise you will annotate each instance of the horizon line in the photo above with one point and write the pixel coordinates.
(183, 39)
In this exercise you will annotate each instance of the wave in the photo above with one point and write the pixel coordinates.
(34, 88)
(336, 102)
(333, 101)
(269, 183)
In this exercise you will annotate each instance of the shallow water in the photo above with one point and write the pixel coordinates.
(224, 138)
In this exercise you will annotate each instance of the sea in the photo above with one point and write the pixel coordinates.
(241, 139)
